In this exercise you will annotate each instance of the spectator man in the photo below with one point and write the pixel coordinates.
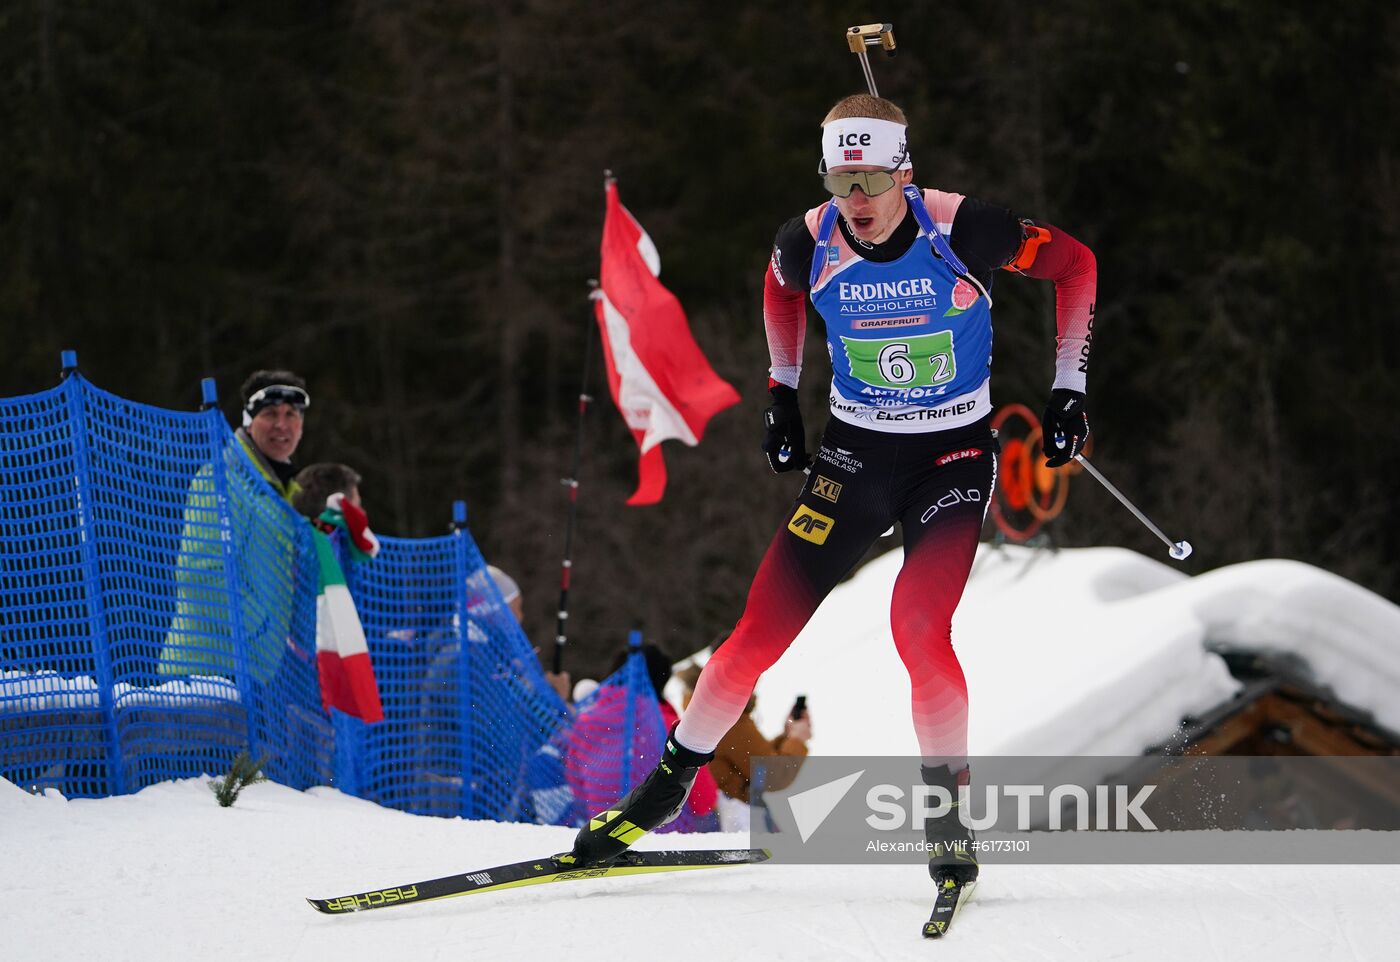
(200, 640)
(274, 409)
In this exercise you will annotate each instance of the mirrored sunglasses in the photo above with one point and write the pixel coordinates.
(871, 182)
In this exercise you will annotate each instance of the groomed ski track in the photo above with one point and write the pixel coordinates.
(167, 875)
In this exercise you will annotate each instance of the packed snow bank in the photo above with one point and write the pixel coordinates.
(167, 876)
(1096, 651)
(22, 692)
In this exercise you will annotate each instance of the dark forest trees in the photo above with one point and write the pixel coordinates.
(403, 201)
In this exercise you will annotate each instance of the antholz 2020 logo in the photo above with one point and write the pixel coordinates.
(826, 488)
(811, 525)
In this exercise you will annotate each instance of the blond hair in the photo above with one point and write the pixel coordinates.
(864, 105)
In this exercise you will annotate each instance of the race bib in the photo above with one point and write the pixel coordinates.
(924, 360)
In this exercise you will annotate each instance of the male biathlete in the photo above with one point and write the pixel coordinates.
(902, 278)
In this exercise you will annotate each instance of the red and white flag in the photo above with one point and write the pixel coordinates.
(657, 375)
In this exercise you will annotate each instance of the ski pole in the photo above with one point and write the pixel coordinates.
(870, 35)
(1179, 550)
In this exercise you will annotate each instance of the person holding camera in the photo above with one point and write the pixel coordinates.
(733, 763)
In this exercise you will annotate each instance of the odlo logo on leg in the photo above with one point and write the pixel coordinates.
(953, 497)
(811, 525)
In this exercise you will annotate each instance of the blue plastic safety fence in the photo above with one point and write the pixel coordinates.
(466, 707)
(56, 724)
(158, 615)
(616, 736)
(154, 614)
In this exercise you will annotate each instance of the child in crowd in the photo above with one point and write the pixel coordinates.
(330, 497)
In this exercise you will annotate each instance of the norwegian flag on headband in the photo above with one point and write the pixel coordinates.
(657, 375)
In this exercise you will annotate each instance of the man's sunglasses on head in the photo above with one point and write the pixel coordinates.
(279, 394)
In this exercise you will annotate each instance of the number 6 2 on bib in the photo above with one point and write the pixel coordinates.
(924, 360)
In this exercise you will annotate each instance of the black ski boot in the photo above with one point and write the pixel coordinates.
(951, 843)
(653, 803)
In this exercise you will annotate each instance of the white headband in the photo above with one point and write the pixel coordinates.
(865, 141)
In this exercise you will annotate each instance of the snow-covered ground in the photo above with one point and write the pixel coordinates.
(168, 875)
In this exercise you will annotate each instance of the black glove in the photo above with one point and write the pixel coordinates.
(784, 440)
(1064, 428)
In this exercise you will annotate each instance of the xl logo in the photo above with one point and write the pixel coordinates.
(852, 140)
(811, 525)
(826, 488)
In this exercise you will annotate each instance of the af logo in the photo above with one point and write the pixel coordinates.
(826, 488)
(811, 525)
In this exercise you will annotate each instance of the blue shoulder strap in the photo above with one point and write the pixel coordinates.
(824, 230)
(915, 197)
(927, 227)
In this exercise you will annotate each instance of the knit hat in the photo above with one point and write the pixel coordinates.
(505, 584)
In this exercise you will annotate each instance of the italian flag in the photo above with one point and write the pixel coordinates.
(342, 656)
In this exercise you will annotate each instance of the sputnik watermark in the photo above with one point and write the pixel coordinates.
(892, 808)
(1185, 809)
(1111, 810)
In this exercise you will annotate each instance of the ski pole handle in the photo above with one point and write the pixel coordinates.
(1179, 550)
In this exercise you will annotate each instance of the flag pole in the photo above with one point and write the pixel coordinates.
(571, 482)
